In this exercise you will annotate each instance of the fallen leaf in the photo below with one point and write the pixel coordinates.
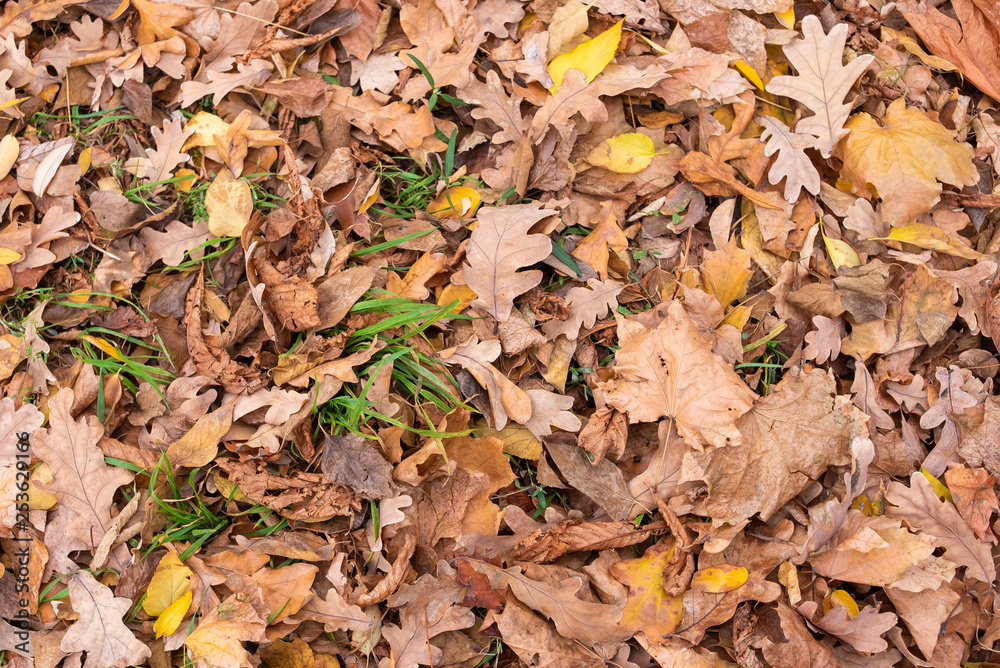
(590, 57)
(100, 631)
(350, 460)
(219, 637)
(200, 445)
(602, 482)
(904, 158)
(219, 84)
(972, 492)
(920, 507)
(671, 371)
(933, 238)
(822, 82)
(726, 273)
(605, 432)
(719, 579)
(170, 582)
(229, 204)
(627, 153)
(650, 608)
(596, 247)
(792, 163)
(506, 399)
(499, 246)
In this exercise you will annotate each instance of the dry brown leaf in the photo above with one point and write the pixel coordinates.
(773, 466)
(200, 445)
(229, 204)
(798, 648)
(412, 285)
(427, 610)
(587, 304)
(506, 398)
(822, 81)
(595, 249)
(168, 155)
(703, 610)
(574, 618)
(792, 163)
(925, 613)
(350, 460)
(863, 631)
(100, 631)
(220, 635)
(671, 371)
(548, 544)
(904, 157)
(82, 482)
(603, 482)
(605, 432)
(220, 84)
(538, 644)
(500, 245)
(293, 299)
(919, 506)
(726, 273)
(972, 491)
(299, 496)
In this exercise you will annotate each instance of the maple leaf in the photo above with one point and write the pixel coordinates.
(671, 371)
(904, 158)
(726, 273)
(587, 304)
(919, 506)
(100, 631)
(650, 607)
(822, 81)
(82, 482)
(772, 468)
(792, 163)
(500, 245)
(220, 84)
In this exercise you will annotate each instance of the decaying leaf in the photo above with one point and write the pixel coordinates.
(100, 631)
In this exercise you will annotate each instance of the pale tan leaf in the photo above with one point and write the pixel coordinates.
(822, 81)
(549, 410)
(82, 481)
(167, 156)
(500, 245)
(671, 371)
(586, 304)
(506, 398)
(100, 631)
(220, 84)
(173, 242)
(904, 156)
(919, 506)
(229, 204)
(792, 163)
(220, 639)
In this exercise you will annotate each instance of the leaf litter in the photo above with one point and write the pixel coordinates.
(479, 333)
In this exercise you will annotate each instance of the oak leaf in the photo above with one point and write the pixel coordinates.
(671, 371)
(549, 410)
(799, 648)
(100, 631)
(25, 419)
(200, 444)
(221, 636)
(904, 157)
(500, 245)
(919, 506)
(822, 81)
(595, 249)
(925, 613)
(972, 492)
(161, 162)
(703, 610)
(792, 163)
(81, 480)
(427, 610)
(537, 644)
(352, 461)
(428, 29)
(220, 84)
(574, 618)
(863, 631)
(176, 240)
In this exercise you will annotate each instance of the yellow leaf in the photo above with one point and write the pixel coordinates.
(172, 617)
(726, 273)
(186, 178)
(455, 202)
(930, 237)
(939, 488)
(8, 256)
(788, 575)
(200, 445)
(83, 162)
(204, 127)
(9, 150)
(864, 505)
(840, 252)
(750, 73)
(842, 598)
(38, 499)
(104, 345)
(371, 197)
(13, 102)
(913, 47)
(719, 579)
(229, 204)
(518, 441)
(171, 581)
(626, 154)
(786, 18)
(591, 57)
(737, 317)
(649, 607)
(904, 157)
(451, 292)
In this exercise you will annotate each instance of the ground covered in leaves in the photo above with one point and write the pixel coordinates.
(499, 333)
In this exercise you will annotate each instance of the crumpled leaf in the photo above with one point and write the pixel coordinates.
(904, 157)
(650, 607)
(822, 81)
(506, 399)
(220, 635)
